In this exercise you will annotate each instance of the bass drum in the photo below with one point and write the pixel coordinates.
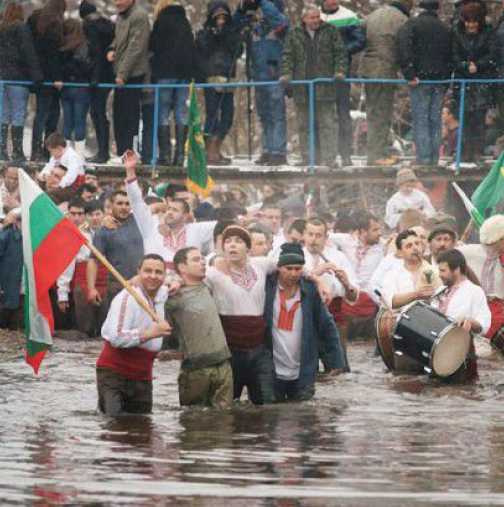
(385, 323)
(431, 339)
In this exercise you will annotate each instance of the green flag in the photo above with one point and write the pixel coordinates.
(490, 191)
(198, 181)
(473, 211)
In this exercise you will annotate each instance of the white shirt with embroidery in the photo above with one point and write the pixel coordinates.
(196, 234)
(126, 320)
(465, 301)
(399, 203)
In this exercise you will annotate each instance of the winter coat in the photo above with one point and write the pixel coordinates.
(11, 266)
(172, 45)
(318, 326)
(306, 58)
(99, 33)
(131, 44)
(499, 44)
(479, 48)
(19, 61)
(218, 50)
(47, 48)
(77, 65)
(424, 44)
(267, 40)
(380, 58)
(350, 27)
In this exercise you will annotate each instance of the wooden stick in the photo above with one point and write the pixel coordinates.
(152, 314)
(467, 231)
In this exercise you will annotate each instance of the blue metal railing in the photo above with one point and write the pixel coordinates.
(311, 84)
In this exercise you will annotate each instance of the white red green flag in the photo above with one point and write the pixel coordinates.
(50, 242)
(473, 211)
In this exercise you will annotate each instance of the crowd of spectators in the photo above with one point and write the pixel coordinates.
(56, 51)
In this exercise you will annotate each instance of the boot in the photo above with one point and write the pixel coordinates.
(4, 133)
(37, 150)
(223, 160)
(102, 138)
(164, 142)
(212, 153)
(17, 144)
(80, 148)
(180, 138)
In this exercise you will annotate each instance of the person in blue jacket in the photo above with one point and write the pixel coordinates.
(266, 25)
(296, 321)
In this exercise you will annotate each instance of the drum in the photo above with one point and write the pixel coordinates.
(385, 323)
(429, 337)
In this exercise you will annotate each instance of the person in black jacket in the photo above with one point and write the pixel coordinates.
(424, 44)
(46, 26)
(18, 62)
(99, 32)
(219, 45)
(76, 69)
(173, 60)
(474, 57)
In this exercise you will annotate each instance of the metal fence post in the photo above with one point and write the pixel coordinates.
(155, 122)
(2, 85)
(458, 153)
(311, 125)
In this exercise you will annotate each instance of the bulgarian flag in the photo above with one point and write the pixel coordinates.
(50, 242)
(473, 211)
(490, 191)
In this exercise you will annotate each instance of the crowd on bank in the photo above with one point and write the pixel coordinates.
(257, 293)
(390, 42)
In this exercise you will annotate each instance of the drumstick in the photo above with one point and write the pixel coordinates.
(382, 299)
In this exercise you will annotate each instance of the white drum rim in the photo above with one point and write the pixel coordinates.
(437, 342)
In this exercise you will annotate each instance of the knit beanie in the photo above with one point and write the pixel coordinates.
(290, 253)
(86, 8)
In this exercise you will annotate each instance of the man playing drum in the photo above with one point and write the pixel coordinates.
(464, 302)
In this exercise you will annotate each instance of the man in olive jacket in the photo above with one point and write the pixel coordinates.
(315, 49)
(129, 54)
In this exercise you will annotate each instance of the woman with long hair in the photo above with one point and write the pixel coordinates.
(18, 62)
(46, 26)
(76, 66)
(474, 57)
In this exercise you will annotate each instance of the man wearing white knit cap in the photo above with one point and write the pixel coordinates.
(487, 261)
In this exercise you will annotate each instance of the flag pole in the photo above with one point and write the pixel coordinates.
(467, 231)
(152, 314)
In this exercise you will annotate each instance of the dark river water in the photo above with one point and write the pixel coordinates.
(368, 439)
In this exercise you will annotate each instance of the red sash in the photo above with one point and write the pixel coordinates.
(243, 332)
(363, 308)
(497, 310)
(80, 278)
(134, 363)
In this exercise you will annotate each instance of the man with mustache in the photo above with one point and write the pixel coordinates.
(441, 239)
(413, 279)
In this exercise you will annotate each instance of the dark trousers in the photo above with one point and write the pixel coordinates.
(290, 390)
(118, 395)
(147, 132)
(47, 113)
(98, 111)
(253, 369)
(126, 109)
(345, 135)
(219, 113)
(12, 318)
(89, 318)
(473, 140)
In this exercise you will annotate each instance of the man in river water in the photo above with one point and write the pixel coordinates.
(131, 342)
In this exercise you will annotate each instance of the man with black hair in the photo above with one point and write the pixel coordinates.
(296, 321)
(441, 239)
(131, 342)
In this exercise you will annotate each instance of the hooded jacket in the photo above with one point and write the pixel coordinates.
(172, 45)
(218, 50)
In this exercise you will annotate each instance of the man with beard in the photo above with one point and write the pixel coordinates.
(464, 302)
(413, 279)
(441, 239)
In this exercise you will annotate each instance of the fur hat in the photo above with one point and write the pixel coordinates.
(290, 253)
(492, 230)
(240, 232)
(405, 175)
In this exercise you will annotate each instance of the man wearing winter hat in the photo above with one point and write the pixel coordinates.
(296, 321)
(424, 45)
(407, 197)
(487, 261)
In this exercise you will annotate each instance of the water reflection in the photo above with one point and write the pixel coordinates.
(370, 438)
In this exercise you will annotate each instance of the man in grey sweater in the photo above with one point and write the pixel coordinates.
(205, 376)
